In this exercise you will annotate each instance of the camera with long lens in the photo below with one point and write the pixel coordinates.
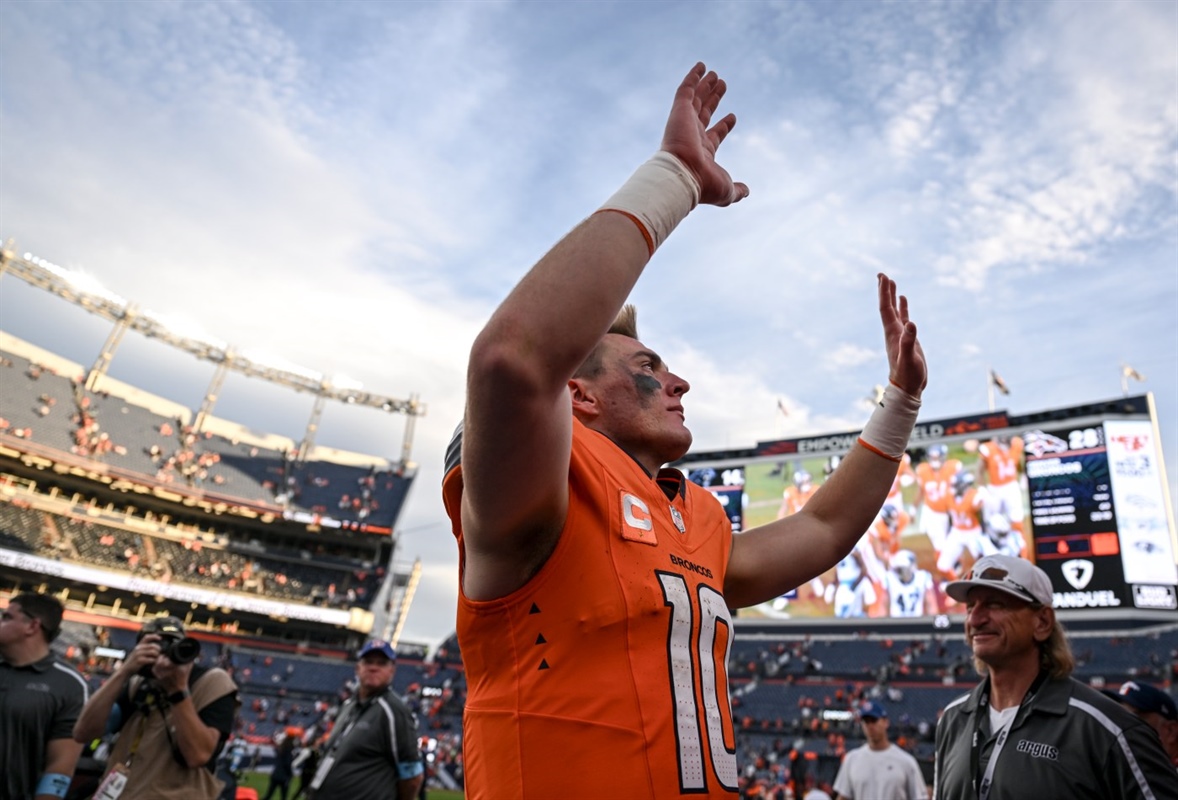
(180, 651)
(174, 643)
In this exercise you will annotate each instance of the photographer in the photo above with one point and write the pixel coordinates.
(173, 718)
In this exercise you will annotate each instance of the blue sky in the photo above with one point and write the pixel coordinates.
(354, 186)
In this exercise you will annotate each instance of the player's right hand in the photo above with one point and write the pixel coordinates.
(688, 138)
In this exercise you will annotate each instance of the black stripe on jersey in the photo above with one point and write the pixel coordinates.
(453, 451)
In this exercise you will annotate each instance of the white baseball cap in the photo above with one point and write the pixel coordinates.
(1015, 576)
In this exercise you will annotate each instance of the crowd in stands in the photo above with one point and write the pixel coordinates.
(339, 584)
(59, 413)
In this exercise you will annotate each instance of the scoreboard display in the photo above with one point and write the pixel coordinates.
(1080, 491)
(1098, 508)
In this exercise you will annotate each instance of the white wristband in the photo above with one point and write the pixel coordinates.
(886, 433)
(657, 197)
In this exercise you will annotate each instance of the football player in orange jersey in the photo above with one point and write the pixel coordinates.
(595, 584)
(1000, 465)
(794, 497)
(905, 476)
(933, 492)
(965, 531)
(888, 530)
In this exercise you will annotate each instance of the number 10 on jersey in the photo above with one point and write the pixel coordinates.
(684, 638)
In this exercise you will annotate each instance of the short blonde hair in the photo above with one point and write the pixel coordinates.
(624, 324)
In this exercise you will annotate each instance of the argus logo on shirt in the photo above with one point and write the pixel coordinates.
(1038, 750)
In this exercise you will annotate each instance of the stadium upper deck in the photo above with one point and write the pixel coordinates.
(115, 497)
(45, 411)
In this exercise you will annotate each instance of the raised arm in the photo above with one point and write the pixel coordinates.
(771, 560)
(92, 722)
(518, 424)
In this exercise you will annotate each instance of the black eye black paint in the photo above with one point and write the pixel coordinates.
(646, 384)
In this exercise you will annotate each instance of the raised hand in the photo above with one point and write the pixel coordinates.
(688, 137)
(906, 365)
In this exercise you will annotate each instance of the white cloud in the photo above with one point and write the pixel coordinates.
(848, 355)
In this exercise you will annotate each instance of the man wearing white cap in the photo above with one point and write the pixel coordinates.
(1029, 730)
(879, 770)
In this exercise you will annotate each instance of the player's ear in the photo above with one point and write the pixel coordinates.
(584, 399)
(1044, 623)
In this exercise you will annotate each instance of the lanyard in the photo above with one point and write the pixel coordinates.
(353, 712)
(982, 791)
(150, 702)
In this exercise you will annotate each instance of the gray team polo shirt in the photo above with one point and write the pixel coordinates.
(1068, 741)
(38, 702)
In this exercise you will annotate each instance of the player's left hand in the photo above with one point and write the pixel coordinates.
(906, 365)
(688, 137)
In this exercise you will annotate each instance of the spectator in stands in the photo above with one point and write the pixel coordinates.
(1029, 730)
(879, 770)
(373, 744)
(40, 699)
(571, 537)
(1157, 708)
(178, 717)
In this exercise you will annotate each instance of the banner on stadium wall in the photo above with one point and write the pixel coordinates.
(186, 594)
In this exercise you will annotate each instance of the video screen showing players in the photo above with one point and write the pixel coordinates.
(1086, 503)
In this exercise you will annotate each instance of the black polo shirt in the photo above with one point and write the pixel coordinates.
(373, 744)
(39, 702)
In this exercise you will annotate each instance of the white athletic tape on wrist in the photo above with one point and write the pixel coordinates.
(657, 197)
(886, 433)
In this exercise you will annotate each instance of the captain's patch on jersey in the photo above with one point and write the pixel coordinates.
(637, 523)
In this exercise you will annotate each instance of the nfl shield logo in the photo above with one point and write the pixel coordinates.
(677, 518)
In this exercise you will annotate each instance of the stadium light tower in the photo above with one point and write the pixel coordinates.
(85, 292)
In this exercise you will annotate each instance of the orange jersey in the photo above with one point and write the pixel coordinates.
(964, 510)
(889, 538)
(934, 483)
(904, 477)
(795, 498)
(1001, 463)
(606, 673)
